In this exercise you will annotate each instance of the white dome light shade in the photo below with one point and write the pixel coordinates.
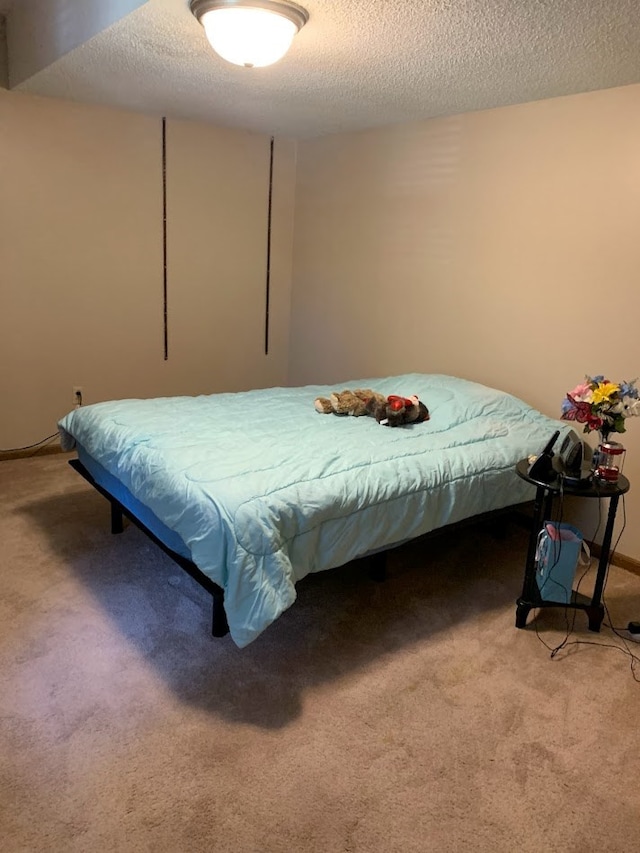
(253, 34)
(252, 37)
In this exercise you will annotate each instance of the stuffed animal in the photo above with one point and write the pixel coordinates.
(398, 411)
(349, 402)
(388, 411)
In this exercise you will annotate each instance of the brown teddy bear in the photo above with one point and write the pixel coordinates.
(357, 403)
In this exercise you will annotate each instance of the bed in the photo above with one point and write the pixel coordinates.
(252, 491)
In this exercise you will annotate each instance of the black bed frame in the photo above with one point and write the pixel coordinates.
(219, 625)
(376, 562)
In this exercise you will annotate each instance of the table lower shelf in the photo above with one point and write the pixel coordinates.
(595, 612)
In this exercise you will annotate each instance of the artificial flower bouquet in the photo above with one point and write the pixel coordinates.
(602, 405)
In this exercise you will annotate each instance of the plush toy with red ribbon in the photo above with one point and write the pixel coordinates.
(398, 411)
(388, 411)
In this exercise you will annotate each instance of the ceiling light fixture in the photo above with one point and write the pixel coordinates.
(253, 33)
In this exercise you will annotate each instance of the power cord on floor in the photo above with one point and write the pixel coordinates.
(37, 445)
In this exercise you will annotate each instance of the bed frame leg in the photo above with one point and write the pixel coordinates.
(117, 522)
(219, 626)
(378, 566)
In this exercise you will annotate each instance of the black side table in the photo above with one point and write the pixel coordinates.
(545, 493)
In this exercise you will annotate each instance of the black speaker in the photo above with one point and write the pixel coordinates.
(571, 453)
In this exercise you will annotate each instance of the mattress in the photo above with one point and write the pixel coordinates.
(260, 489)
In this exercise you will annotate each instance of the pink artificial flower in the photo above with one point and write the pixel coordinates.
(582, 393)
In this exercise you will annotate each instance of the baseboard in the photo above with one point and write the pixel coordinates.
(44, 450)
(621, 560)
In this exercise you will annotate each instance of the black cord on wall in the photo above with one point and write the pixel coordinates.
(268, 282)
(164, 237)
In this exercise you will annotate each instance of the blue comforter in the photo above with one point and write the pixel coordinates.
(262, 489)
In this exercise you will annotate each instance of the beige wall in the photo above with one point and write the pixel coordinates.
(501, 246)
(480, 245)
(81, 276)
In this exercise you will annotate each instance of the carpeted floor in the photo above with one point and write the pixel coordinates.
(404, 716)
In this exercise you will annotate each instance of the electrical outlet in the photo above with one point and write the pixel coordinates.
(77, 396)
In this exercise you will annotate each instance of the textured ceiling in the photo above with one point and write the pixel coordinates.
(356, 64)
